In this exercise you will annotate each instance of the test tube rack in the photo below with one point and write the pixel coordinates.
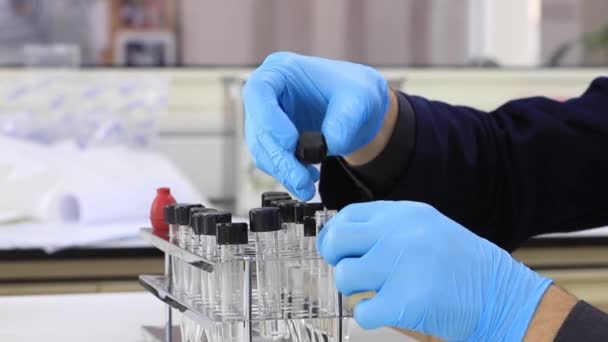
(319, 317)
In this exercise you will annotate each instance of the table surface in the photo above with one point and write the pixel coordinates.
(102, 317)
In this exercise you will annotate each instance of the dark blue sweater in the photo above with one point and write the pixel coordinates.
(531, 166)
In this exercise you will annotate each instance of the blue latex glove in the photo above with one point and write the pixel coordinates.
(431, 274)
(290, 93)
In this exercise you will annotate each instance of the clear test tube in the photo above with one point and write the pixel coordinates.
(210, 280)
(265, 225)
(306, 233)
(328, 293)
(195, 286)
(287, 211)
(232, 239)
(171, 220)
(293, 274)
(182, 215)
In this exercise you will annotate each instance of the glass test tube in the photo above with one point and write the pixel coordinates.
(265, 225)
(292, 293)
(295, 266)
(232, 239)
(182, 216)
(170, 219)
(327, 289)
(210, 280)
(194, 284)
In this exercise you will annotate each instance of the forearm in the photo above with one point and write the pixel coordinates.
(550, 315)
(561, 317)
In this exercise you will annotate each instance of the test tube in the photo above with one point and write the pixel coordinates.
(232, 239)
(293, 272)
(267, 200)
(197, 242)
(210, 280)
(195, 286)
(327, 288)
(171, 220)
(268, 194)
(305, 216)
(306, 229)
(265, 225)
(182, 216)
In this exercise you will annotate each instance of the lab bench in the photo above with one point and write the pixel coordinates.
(99, 268)
(580, 264)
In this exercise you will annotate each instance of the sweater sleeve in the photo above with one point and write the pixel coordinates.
(584, 323)
(531, 166)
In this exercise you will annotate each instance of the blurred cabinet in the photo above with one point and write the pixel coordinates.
(141, 33)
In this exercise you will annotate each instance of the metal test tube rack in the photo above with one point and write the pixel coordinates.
(161, 287)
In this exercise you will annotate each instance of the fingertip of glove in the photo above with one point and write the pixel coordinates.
(306, 193)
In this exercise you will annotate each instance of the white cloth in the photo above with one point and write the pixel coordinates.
(61, 183)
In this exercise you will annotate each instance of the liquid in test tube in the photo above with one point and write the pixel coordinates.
(210, 281)
(232, 239)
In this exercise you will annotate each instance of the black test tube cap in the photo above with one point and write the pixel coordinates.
(182, 213)
(304, 209)
(264, 219)
(195, 223)
(272, 194)
(267, 202)
(170, 215)
(232, 233)
(209, 220)
(311, 148)
(287, 210)
(310, 226)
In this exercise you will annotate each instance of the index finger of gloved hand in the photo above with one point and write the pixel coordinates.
(263, 112)
(271, 134)
(287, 169)
(346, 239)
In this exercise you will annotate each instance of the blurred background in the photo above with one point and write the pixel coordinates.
(528, 33)
(103, 101)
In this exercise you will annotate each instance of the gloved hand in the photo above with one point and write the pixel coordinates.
(431, 274)
(290, 93)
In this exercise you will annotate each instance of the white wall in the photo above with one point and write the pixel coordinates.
(506, 31)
